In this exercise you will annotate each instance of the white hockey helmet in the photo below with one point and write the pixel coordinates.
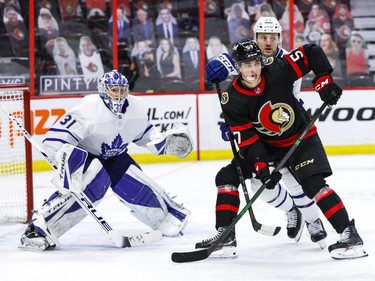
(267, 25)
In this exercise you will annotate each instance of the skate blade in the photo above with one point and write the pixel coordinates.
(225, 253)
(299, 234)
(349, 253)
(322, 243)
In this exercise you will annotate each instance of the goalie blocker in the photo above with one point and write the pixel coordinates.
(146, 199)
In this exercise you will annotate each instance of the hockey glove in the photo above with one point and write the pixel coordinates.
(218, 69)
(226, 133)
(267, 175)
(328, 90)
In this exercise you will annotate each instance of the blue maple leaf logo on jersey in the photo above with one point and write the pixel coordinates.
(117, 147)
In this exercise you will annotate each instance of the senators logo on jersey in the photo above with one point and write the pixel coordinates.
(274, 119)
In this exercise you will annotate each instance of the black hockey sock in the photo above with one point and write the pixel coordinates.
(333, 209)
(227, 204)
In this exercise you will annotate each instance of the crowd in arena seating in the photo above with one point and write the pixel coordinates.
(158, 41)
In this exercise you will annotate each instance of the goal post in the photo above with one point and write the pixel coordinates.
(16, 181)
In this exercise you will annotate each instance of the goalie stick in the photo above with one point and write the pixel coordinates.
(180, 257)
(257, 226)
(117, 239)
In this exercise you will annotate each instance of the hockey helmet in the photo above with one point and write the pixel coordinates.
(267, 25)
(246, 51)
(113, 88)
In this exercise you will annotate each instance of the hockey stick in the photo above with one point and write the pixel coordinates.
(81, 198)
(258, 227)
(192, 256)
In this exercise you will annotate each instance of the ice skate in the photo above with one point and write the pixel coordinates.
(317, 232)
(226, 249)
(294, 225)
(34, 239)
(349, 246)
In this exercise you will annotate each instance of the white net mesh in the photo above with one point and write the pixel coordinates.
(13, 184)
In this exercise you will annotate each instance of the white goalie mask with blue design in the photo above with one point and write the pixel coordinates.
(113, 88)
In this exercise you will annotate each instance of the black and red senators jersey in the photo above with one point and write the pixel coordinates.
(270, 113)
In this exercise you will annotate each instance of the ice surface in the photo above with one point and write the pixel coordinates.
(87, 254)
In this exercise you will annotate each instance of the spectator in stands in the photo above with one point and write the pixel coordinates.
(299, 40)
(332, 52)
(16, 29)
(238, 23)
(123, 27)
(253, 6)
(321, 18)
(190, 57)
(313, 32)
(356, 55)
(147, 76)
(143, 28)
(166, 26)
(95, 9)
(64, 57)
(299, 25)
(215, 47)
(139, 48)
(263, 10)
(89, 57)
(48, 27)
(70, 9)
(343, 25)
(168, 60)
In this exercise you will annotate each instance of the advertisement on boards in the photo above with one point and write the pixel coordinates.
(350, 123)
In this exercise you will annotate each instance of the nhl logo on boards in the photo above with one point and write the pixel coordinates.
(224, 98)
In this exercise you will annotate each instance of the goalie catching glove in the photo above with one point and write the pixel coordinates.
(175, 141)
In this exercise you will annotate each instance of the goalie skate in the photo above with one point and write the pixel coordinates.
(34, 240)
(226, 249)
(349, 246)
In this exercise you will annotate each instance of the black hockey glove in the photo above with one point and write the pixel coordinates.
(267, 175)
(328, 90)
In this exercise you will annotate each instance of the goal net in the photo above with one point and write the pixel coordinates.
(16, 197)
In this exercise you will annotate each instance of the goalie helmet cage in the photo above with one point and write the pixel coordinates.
(16, 187)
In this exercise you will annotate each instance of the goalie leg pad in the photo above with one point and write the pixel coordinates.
(70, 164)
(150, 203)
(61, 212)
(146, 205)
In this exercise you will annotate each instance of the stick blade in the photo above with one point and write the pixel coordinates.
(268, 230)
(180, 257)
(144, 238)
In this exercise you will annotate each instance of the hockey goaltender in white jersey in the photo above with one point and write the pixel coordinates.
(93, 137)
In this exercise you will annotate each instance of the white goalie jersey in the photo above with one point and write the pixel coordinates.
(94, 128)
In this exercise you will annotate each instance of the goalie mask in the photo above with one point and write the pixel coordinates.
(113, 88)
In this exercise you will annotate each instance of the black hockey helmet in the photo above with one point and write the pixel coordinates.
(246, 51)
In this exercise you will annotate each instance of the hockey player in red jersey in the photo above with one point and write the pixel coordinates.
(290, 199)
(267, 119)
